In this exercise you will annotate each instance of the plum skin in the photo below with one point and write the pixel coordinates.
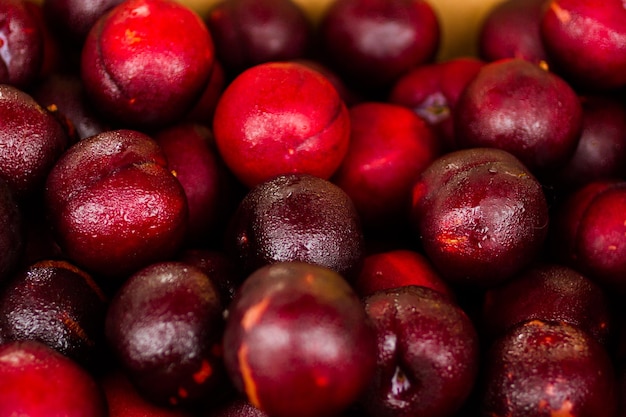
(297, 341)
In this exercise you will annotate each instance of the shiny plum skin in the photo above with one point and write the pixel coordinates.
(586, 41)
(548, 292)
(281, 118)
(137, 71)
(551, 369)
(237, 407)
(164, 326)
(59, 305)
(370, 43)
(252, 32)
(428, 353)
(31, 141)
(512, 30)
(514, 105)
(297, 341)
(72, 19)
(432, 91)
(297, 217)
(37, 381)
(191, 154)
(601, 150)
(480, 214)
(22, 44)
(398, 268)
(113, 204)
(589, 232)
(389, 148)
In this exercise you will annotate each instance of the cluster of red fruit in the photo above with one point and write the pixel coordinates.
(251, 214)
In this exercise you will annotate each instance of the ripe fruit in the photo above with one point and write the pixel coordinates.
(480, 214)
(297, 341)
(139, 72)
(281, 118)
(297, 217)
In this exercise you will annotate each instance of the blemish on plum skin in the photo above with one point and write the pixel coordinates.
(562, 15)
(203, 373)
(250, 387)
(254, 314)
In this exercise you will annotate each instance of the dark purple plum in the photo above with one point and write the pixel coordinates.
(371, 43)
(251, 32)
(59, 305)
(164, 325)
(31, 141)
(545, 369)
(38, 381)
(428, 354)
(480, 215)
(514, 105)
(114, 205)
(549, 292)
(237, 407)
(297, 217)
(298, 342)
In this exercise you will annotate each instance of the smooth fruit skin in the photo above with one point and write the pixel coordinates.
(428, 354)
(373, 42)
(586, 40)
(297, 341)
(37, 381)
(141, 72)
(279, 118)
(547, 369)
(480, 215)
(297, 217)
(164, 326)
(389, 147)
(113, 204)
(514, 105)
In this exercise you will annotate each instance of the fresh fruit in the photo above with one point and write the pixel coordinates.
(297, 341)
(480, 215)
(114, 206)
(164, 326)
(297, 217)
(140, 73)
(281, 118)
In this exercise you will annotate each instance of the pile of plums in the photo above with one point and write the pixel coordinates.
(252, 213)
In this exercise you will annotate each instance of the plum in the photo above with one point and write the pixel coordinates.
(31, 141)
(59, 305)
(22, 44)
(281, 118)
(511, 29)
(140, 73)
(297, 217)
(371, 43)
(515, 105)
(547, 369)
(586, 42)
(548, 292)
(480, 215)
(38, 381)
(432, 91)
(297, 341)
(251, 32)
(428, 354)
(114, 206)
(389, 147)
(164, 326)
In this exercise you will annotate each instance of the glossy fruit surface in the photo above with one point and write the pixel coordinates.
(114, 205)
(480, 214)
(281, 118)
(37, 381)
(427, 354)
(297, 217)
(139, 72)
(165, 326)
(297, 341)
